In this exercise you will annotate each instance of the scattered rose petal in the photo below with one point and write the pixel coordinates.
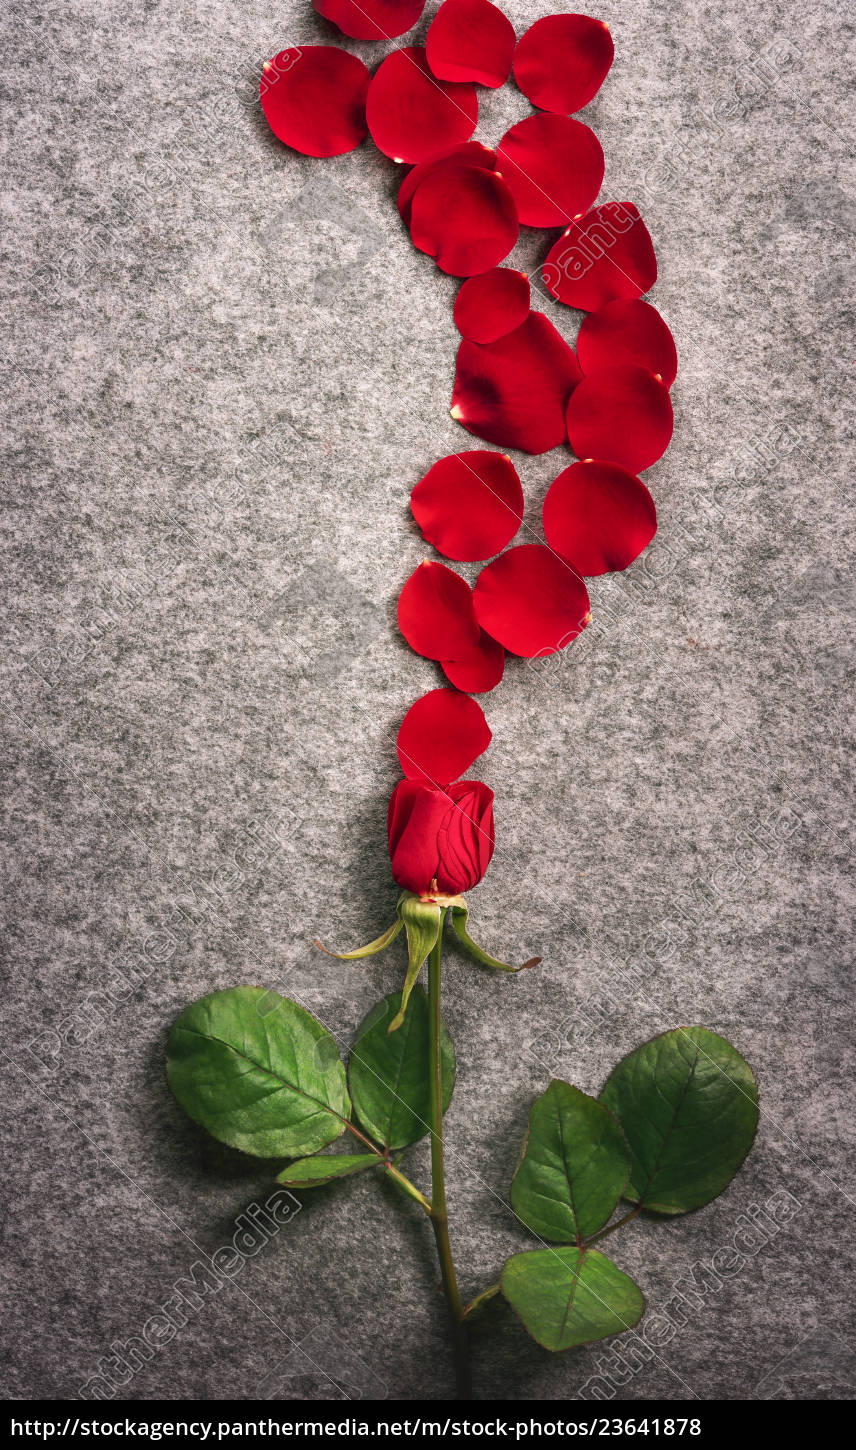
(413, 116)
(622, 415)
(531, 601)
(465, 218)
(607, 254)
(471, 153)
(562, 61)
(598, 516)
(554, 167)
(469, 505)
(627, 331)
(435, 612)
(515, 391)
(314, 99)
(471, 40)
(480, 669)
(440, 737)
(489, 306)
(371, 19)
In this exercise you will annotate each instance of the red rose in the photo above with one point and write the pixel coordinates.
(440, 840)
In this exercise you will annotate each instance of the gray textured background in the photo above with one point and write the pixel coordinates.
(224, 367)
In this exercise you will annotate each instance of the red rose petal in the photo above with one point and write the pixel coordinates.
(554, 167)
(489, 306)
(411, 115)
(465, 218)
(471, 40)
(531, 601)
(314, 99)
(627, 331)
(371, 19)
(598, 516)
(469, 505)
(608, 254)
(622, 415)
(435, 612)
(562, 61)
(440, 737)
(480, 669)
(515, 391)
(471, 153)
(440, 838)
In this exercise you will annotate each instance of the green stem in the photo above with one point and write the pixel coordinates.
(610, 1228)
(403, 1183)
(439, 1211)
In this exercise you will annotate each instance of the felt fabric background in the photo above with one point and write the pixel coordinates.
(224, 368)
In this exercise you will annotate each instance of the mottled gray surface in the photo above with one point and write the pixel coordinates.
(224, 367)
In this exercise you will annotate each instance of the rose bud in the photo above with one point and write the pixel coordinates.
(440, 841)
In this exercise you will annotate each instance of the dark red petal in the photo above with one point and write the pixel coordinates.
(469, 505)
(465, 218)
(480, 669)
(414, 117)
(515, 391)
(599, 516)
(314, 99)
(627, 331)
(466, 840)
(371, 19)
(471, 40)
(554, 167)
(470, 153)
(444, 837)
(435, 612)
(531, 601)
(562, 61)
(440, 737)
(622, 415)
(608, 254)
(489, 306)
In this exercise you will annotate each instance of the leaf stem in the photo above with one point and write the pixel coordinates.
(403, 1183)
(610, 1228)
(439, 1210)
(480, 1299)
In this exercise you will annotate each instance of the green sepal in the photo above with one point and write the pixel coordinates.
(384, 940)
(422, 922)
(459, 923)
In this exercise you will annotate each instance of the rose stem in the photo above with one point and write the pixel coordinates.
(439, 1211)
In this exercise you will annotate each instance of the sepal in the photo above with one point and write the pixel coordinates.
(460, 913)
(422, 922)
(378, 945)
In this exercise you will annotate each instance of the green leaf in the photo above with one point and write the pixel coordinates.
(422, 922)
(570, 1296)
(575, 1163)
(324, 1167)
(388, 1072)
(460, 915)
(259, 1073)
(688, 1104)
